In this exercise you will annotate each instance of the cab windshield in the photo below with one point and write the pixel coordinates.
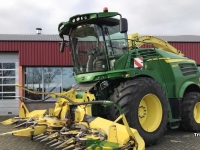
(93, 45)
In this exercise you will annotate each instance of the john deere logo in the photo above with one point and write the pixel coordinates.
(82, 78)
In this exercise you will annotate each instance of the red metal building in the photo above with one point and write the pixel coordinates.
(35, 62)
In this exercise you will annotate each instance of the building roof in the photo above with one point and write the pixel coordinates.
(46, 37)
(180, 38)
(33, 37)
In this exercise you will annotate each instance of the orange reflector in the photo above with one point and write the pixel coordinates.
(105, 9)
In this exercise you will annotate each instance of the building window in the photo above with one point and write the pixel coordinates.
(8, 79)
(52, 80)
(67, 74)
(199, 68)
(33, 82)
(48, 79)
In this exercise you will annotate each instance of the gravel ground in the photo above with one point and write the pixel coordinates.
(177, 140)
(172, 140)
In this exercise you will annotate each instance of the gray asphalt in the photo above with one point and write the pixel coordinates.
(172, 140)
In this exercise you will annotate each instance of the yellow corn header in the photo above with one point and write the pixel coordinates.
(70, 125)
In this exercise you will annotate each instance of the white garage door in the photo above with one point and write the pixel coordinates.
(9, 105)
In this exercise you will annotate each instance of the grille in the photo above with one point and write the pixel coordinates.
(145, 53)
(188, 69)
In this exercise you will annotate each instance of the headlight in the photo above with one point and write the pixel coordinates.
(61, 27)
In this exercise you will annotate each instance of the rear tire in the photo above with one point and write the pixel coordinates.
(145, 105)
(190, 112)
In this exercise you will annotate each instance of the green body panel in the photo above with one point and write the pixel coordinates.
(115, 74)
(179, 73)
(121, 62)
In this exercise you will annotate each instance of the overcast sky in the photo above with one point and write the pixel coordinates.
(151, 17)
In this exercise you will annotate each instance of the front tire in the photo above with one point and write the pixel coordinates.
(145, 105)
(190, 112)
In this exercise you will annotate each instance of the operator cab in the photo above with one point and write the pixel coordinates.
(96, 46)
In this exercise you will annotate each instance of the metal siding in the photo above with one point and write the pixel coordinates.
(38, 53)
(48, 54)
(6, 46)
(191, 50)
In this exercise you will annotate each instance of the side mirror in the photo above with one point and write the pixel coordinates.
(123, 25)
(62, 46)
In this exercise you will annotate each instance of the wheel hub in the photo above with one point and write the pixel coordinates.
(150, 112)
(142, 112)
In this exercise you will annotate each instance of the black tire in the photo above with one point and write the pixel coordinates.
(129, 94)
(188, 121)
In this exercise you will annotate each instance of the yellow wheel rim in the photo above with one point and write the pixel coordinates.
(197, 112)
(150, 112)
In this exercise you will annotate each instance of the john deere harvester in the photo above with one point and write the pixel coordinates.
(154, 84)
(149, 81)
